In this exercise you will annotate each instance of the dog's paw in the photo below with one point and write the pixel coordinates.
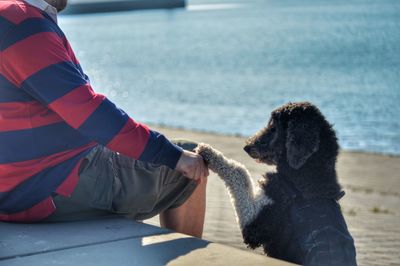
(214, 159)
(206, 151)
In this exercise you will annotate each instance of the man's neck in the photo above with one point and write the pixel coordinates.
(58, 4)
(52, 3)
(44, 6)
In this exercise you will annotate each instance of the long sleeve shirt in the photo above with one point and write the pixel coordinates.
(50, 117)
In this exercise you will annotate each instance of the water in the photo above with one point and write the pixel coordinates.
(224, 66)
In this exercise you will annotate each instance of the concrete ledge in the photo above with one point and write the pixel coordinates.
(99, 6)
(114, 241)
(18, 240)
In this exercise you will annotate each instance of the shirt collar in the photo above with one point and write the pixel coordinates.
(44, 6)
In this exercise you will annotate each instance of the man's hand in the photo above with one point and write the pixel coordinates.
(192, 166)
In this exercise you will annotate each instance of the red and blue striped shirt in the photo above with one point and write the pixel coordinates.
(50, 117)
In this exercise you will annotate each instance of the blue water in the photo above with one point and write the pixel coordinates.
(224, 66)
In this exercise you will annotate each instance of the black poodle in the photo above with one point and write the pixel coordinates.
(295, 215)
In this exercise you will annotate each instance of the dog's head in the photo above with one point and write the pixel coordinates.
(294, 133)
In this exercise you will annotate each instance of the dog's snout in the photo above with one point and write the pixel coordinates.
(247, 148)
(251, 150)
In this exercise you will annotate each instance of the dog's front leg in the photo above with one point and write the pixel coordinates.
(237, 179)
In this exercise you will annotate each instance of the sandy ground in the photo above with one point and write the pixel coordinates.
(371, 206)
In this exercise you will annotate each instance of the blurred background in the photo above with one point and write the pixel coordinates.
(222, 66)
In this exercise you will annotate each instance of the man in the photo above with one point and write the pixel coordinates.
(69, 153)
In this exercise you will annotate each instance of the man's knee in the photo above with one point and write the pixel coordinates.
(203, 182)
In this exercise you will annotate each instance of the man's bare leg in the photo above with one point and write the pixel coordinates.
(189, 217)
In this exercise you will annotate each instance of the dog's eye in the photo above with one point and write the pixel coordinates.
(273, 129)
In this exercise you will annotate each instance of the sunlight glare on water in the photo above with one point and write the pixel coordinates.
(226, 67)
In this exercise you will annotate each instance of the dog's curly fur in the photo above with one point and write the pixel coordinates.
(303, 146)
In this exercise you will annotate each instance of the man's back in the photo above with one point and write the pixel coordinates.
(50, 117)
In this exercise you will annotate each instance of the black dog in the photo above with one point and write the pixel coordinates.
(296, 217)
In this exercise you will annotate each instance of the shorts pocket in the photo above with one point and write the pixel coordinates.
(96, 181)
(136, 186)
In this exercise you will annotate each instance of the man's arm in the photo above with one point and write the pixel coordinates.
(43, 65)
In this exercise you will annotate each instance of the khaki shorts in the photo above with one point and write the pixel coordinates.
(113, 184)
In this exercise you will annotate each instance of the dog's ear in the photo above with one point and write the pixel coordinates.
(302, 141)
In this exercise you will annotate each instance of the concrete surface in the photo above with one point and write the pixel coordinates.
(113, 241)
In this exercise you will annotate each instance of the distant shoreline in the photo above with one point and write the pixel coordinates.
(241, 136)
(103, 6)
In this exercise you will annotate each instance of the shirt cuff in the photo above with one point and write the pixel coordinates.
(171, 156)
(160, 150)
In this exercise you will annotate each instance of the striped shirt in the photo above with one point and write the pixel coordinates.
(50, 117)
